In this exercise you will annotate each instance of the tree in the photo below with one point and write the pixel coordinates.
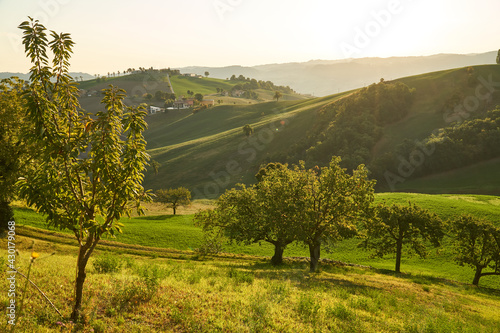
(266, 212)
(13, 153)
(476, 244)
(198, 97)
(336, 199)
(174, 198)
(277, 95)
(248, 130)
(89, 168)
(207, 74)
(393, 227)
(498, 57)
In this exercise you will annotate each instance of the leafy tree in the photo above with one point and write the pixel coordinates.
(268, 212)
(498, 57)
(277, 95)
(334, 202)
(13, 153)
(207, 74)
(160, 95)
(198, 97)
(248, 130)
(393, 227)
(89, 168)
(174, 197)
(476, 244)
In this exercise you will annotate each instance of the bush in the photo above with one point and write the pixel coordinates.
(107, 264)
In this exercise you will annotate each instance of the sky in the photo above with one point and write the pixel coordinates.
(114, 35)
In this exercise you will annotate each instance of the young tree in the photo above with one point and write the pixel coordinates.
(476, 244)
(334, 202)
(89, 169)
(277, 95)
(207, 74)
(174, 197)
(248, 130)
(393, 227)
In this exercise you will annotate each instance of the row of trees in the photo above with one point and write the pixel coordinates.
(322, 206)
(249, 84)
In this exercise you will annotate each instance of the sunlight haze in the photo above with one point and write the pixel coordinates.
(116, 35)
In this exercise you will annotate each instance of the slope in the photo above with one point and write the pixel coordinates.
(208, 152)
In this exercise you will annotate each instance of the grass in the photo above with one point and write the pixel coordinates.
(239, 295)
(161, 230)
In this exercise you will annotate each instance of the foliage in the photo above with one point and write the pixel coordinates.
(351, 126)
(476, 244)
(498, 57)
(174, 197)
(277, 95)
(393, 227)
(13, 152)
(247, 130)
(107, 263)
(334, 201)
(89, 169)
(288, 205)
(455, 146)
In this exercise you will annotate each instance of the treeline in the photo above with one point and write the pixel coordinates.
(249, 84)
(319, 207)
(449, 148)
(351, 126)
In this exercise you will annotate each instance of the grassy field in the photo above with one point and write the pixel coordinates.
(242, 295)
(161, 230)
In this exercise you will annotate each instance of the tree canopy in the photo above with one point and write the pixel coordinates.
(174, 197)
(476, 244)
(391, 228)
(311, 206)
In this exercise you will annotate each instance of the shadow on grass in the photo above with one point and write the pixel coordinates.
(155, 217)
(430, 280)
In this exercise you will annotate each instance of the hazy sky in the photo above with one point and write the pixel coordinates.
(114, 35)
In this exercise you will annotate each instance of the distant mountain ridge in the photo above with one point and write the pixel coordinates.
(85, 76)
(325, 77)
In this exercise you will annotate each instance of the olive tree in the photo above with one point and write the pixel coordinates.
(393, 227)
(89, 168)
(476, 244)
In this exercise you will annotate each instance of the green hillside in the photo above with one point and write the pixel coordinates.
(208, 152)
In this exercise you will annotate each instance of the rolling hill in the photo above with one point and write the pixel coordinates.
(208, 151)
(325, 77)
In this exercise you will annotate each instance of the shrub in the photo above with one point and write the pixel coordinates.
(107, 264)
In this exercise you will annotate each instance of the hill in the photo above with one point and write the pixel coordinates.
(325, 77)
(208, 152)
(138, 85)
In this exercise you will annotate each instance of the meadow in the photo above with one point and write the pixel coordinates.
(151, 279)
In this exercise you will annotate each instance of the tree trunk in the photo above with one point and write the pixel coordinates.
(399, 249)
(84, 253)
(314, 252)
(277, 258)
(477, 276)
(174, 208)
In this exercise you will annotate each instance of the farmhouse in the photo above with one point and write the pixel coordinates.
(155, 109)
(183, 103)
